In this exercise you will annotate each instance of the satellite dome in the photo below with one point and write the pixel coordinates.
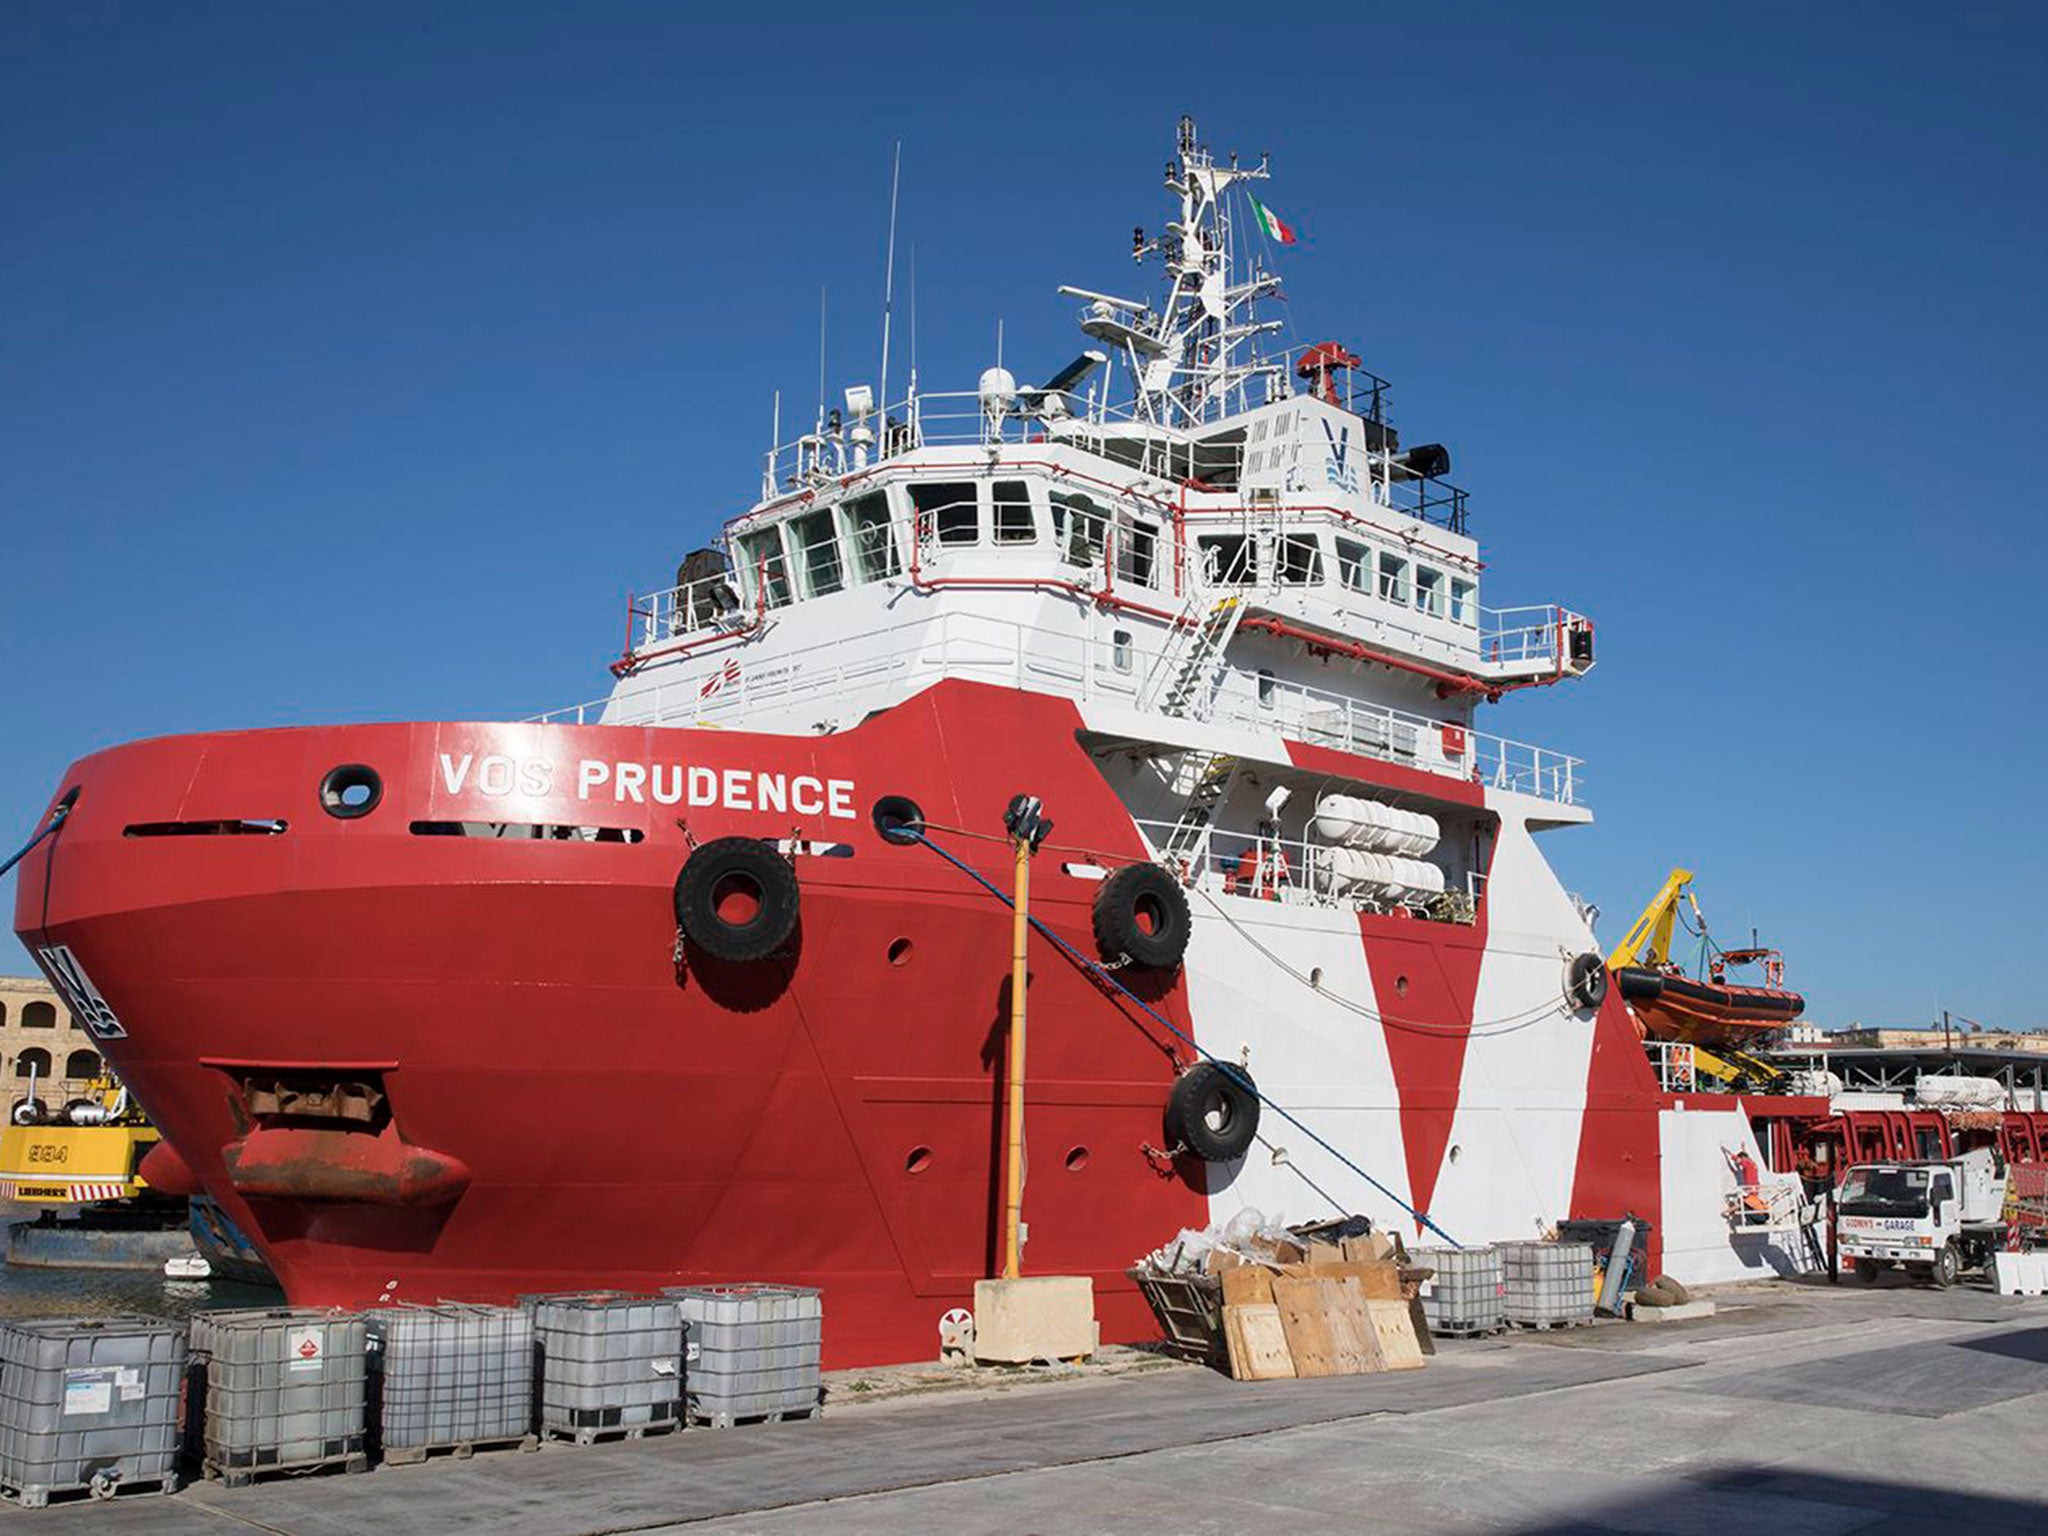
(998, 389)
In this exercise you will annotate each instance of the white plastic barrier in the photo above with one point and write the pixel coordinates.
(2019, 1274)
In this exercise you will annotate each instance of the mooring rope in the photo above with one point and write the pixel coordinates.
(1104, 977)
(62, 810)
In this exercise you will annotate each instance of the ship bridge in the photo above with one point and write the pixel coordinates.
(1238, 539)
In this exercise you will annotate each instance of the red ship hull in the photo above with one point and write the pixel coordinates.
(827, 1117)
(565, 1105)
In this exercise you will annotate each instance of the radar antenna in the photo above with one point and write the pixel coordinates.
(1195, 358)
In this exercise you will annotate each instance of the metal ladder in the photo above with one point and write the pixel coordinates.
(1187, 843)
(1189, 664)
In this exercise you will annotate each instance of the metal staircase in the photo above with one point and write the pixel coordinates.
(1186, 844)
(1183, 680)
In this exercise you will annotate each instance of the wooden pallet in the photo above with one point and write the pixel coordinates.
(242, 1477)
(1557, 1323)
(1467, 1331)
(593, 1434)
(733, 1420)
(34, 1496)
(460, 1450)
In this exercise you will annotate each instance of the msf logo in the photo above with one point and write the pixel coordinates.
(1339, 470)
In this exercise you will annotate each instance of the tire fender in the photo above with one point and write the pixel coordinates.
(1141, 915)
(1213, 1111)
(737, 899)
(1585, 982)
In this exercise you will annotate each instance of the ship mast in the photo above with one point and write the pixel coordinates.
(1195, 358)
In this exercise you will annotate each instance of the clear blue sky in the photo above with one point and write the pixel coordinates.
(358, 359)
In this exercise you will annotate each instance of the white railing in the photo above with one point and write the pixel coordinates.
(960, 418)
(856, 673)
(590, 712)
(933, 419)
(1518, 636)
(709, 603)
(1325, 719)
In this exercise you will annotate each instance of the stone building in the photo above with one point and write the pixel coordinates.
(38, 1037)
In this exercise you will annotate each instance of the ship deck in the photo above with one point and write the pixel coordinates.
(1800, 1407)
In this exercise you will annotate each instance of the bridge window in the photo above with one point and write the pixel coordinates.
(1228, 559)
(1077, 528)
(949, 512)
(1013, 521)
(761, 558)
(1464, 607)
(39, 1015)
(1301, 561)
(33, 1062)
(82, 1064)
(1394, 579)
(1429, 591)
(870, 538)
(817, 553)
(1354, 565)
(1137, 549)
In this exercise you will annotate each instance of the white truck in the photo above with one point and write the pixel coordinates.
(1933, 1218)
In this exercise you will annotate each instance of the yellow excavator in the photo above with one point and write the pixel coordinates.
(1645, 951)
(88, 1151)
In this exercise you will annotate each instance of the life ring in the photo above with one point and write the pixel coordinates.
(1213, 1111)
(1586, 981)
(1141, 915)
(737, 899)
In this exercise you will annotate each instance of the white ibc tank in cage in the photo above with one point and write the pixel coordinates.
(1372, 826)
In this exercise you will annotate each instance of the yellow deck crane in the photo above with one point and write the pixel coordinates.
(1648, 944)
(1649, 941)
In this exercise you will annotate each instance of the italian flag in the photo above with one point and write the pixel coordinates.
(1276, 227)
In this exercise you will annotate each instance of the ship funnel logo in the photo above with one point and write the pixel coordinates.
(1340, 472)
(78, 992)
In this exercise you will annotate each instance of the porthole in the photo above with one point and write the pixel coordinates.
(1077, 1159)
(920, 1158)
(351, 790)
(899, 951)
(1120, 649)
(1315, 977)
(1400, 986)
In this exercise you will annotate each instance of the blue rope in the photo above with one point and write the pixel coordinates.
(56, 820)
(1104, 977)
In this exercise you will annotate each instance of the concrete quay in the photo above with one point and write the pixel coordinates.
(1796, 1408)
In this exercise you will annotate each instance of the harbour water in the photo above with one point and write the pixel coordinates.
(109, 1292)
